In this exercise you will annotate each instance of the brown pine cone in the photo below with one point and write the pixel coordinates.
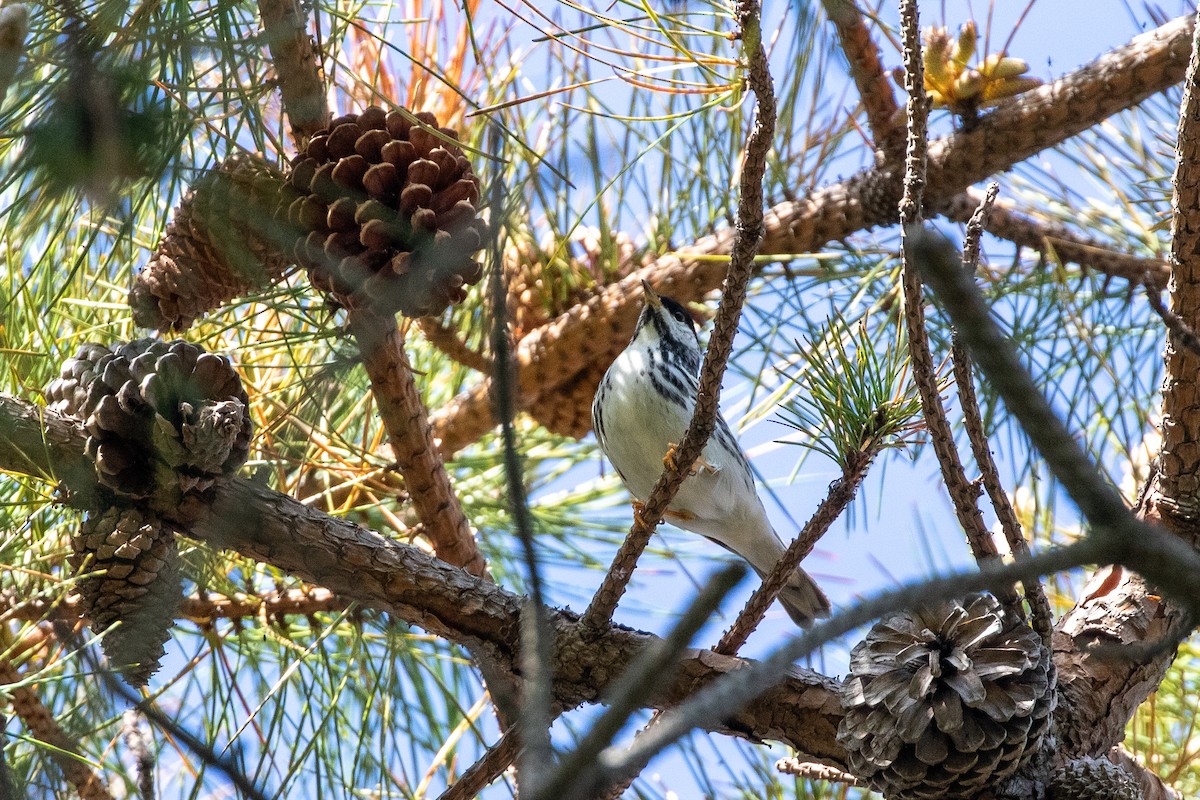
(390, 212)
(161, 417)
(136, 583)
(944, 702)
(227, 237)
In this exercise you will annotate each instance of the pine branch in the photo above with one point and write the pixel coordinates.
(480, 775)
(1041, 617)
(202, 610)
(873, 84)
(1057, 241)
(801, 710)
(814, 772)
(296, 70)
(963, 494)
(407, 423)
(446, 340)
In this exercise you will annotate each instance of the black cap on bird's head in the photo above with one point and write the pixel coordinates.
(667, 320)
(666, 309)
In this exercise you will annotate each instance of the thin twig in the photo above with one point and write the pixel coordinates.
(873, 84)
(840, 493)
(1183, 332)
(445, 339)
(488, 768)
(202, 610)
(296, 69)
(1057, 241)
(62, 749)
(748, 236)
(139, 748)
(407, 424)
(536, 641)
(815, 772)
(576, 776)
(1041, 617)
(963, 494)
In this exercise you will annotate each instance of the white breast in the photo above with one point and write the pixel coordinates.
(637, 428)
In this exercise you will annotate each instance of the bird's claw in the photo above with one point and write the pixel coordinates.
(699, 464)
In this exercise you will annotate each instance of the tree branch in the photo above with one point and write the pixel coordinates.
(407, 424)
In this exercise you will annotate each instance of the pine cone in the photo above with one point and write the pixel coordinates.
(541, 285)
(137, 585)
(567, 409)
(67, 393)
(228, 237)
(943, 702)
(1092, 779)
(389, 212)
(161, 417)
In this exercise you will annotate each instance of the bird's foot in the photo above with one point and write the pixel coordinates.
(639, 511)
(699, 464)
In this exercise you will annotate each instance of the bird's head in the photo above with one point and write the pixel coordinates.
(669, 325)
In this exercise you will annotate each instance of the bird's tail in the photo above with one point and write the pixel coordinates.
(803, 599)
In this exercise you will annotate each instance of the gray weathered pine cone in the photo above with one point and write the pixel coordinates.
(130, 565)
(1092, 779)
(162, 418)
(388, 213)
(946, 701)
(227, 237)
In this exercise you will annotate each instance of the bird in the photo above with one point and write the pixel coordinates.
(641, 410)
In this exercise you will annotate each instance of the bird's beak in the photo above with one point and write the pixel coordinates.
(651, 295)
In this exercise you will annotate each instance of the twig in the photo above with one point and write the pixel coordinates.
(202, 610)
(445, 339)
(139, 747)
(62, 750)
(296, 70)
(866, 68)
(1121, 536)
(489, 767)
(1185, 336)
(963, 494)
(536, 642)
(576, 776)
(1041, 617)
(815, 772)
(840, 493)
(748, 235)
(1058, 241)
(407, 424)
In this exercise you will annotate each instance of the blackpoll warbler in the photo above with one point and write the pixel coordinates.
(641, 410)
